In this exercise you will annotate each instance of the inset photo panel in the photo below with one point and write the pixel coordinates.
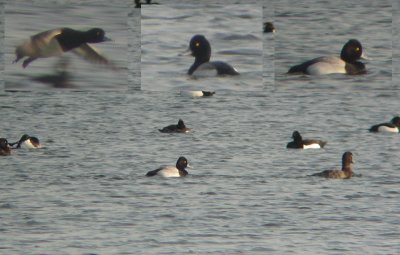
(66, 44)
(333, 44)
(201, 46)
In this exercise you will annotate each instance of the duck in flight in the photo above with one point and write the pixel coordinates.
(56, 42)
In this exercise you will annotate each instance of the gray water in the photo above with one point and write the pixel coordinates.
(85, 191)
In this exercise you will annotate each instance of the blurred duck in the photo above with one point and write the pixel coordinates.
(138, 3)
(55, 42)
(179, 128)
(27, 141)
(5, 149)
(269, 27)
(197, 93)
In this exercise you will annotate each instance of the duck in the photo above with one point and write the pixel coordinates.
(300, 143)
(348, 62)
(269, 27)
(57, 41)
(201, 50)
(138, 3)
(5, 149)
(172, 171)
(392, 127)
(197, 93)
(179, 128)
(345, 173)
(27, 141)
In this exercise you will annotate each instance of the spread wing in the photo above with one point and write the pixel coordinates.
(91, 55)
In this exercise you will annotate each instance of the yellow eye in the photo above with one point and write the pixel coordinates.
(197, 44)
(357, 49)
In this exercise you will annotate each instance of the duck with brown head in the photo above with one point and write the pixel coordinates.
(345, 173)
(5, 149)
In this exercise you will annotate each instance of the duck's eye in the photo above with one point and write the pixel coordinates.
(357, 49)
(197, 44)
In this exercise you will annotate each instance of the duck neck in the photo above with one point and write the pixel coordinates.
(298, 139)
(183, 172)
(198, 61)
(347, 168)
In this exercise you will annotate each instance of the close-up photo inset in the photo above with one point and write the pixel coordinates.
(195, 47)
(62, 45)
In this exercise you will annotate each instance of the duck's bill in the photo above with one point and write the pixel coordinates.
(187, 52)
(105, 39)
(365, 57)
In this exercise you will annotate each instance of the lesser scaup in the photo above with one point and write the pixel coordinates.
(27, 141)
(300, 143)
(57, 41)
(179, 128)
(201, 50)
(172, 171)
(269, 27)
(345, 173)
(392, 127)
(5, 149)
(347, 63)
(197, 93)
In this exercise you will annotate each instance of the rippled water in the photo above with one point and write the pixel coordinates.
(85, 191)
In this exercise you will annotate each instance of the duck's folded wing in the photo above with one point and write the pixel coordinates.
(91, 55)
(169, 129)
(331, 174)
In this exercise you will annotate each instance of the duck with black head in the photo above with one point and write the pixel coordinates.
(347, 63)
(300, 143)
(179, 170)
(178, 128)
(27, 141)
(55, 42)
(5, 149)
(392, 127)
(201, 50)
